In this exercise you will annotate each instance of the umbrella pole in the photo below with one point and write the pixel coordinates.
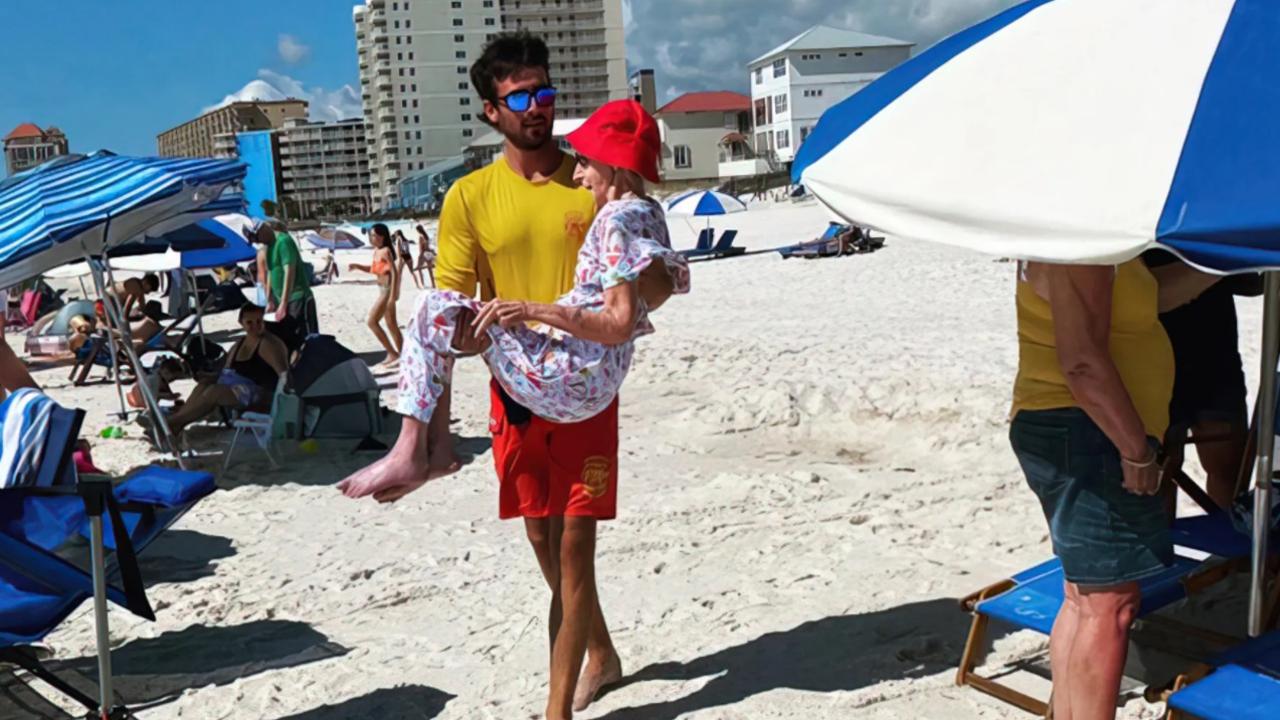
(1266, 448)
(108, 304)
(195, 296)
(161, 425)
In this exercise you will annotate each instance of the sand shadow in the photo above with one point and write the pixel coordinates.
(155, 671)
(834, 654)
(407, 702)
(183, 556)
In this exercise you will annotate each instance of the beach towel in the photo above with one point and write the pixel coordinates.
(25, 417)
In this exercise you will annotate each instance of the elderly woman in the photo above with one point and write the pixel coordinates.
(248, 379)
(1095, 375)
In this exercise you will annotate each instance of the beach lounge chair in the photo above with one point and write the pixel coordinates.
(823, 246)
(1030, 600)
(706, 238)
(1242, 684)
(724, 247)
(42, 528)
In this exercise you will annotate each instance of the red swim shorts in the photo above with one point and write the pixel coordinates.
(549, 469)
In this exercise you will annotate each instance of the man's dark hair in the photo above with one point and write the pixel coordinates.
(151, 280)
(505, 55)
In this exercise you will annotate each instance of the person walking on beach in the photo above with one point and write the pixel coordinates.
(426, 256)
(512, 231)
(1090, 402)
(288, 291)
(404, 259)
(385, 268)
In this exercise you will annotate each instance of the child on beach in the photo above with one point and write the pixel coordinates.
(572, 366)
(384, 268)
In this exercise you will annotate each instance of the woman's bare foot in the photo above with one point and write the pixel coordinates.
(596, 676)
(394, 470)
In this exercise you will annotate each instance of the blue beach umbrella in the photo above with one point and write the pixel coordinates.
(1081, 131)
(81, 206)
(705, 202)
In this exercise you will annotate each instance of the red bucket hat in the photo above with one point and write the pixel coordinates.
(623, 135)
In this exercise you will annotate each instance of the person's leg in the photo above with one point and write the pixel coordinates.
(1221, 458)
(404, 469)
(1096, 658)
(393, 325)
(1060, 643)
(201, 404)
(374, 322)
(578, 599)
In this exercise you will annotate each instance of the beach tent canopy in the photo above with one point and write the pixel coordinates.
(705, 202)
(216, 242)
(78, 206)
(335, 239)
(1081, 131)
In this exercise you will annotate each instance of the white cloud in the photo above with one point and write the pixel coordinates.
(292, 50)
(323, 104)
(709, 48)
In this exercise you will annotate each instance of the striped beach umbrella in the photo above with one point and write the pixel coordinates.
(1081, 131)
(79, 206)
(705, 202)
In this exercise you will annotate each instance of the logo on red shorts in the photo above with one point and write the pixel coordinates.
(595, 475)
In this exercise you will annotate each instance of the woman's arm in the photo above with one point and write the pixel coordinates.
(1080, 300)
(611, 325)
(1180, 284)
(276, 353)
(13, 372)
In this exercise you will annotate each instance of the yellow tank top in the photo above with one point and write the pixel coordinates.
(1139, 347)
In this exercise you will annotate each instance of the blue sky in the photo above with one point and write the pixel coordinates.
(114, 73)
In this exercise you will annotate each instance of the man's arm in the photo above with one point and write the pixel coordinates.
(458, 247)
(13, 372)
(1180, 284)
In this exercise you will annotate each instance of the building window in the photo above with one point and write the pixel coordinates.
(457, 22)
(399, 56)
(466, 117)
(417, 134)
(413, 87)
(408, 40)
(784, 139)
(412, 72)
(463, 86)
(401, 87)
(407, 135)
(408, 24)
(460, 54)
(759, 76)
(456, 4)
(397, 39)
(397, 24)
(395, 6)
(404, 103)
(490, 22)
(401, 71)
(804, 133)
(462, 70)
(489, 4)
(683, 158)
(410, 55)
(467, 132)
(459, 38)
(779, 104)
(464, 101)
(779, 67)
(762, 145)
(762, 106)
(415, 104)
(813, 93)
(811, 56)
(844, 54)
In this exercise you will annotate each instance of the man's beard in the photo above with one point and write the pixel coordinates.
(522, 141)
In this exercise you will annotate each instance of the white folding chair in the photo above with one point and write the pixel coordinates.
(260, 427)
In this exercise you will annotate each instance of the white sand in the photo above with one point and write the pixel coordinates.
(814, 467)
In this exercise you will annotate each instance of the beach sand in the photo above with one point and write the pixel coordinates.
(814, 467)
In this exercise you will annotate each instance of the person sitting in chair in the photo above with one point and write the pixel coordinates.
(248, 378)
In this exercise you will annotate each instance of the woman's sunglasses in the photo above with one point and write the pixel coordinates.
(521, 100)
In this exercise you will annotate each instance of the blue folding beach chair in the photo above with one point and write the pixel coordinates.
(724, 247)
(43, 526)
(1030, 600)
(815, 248)
(1242, 684)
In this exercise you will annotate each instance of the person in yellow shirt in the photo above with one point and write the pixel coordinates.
(1090, 402)
(512, 232)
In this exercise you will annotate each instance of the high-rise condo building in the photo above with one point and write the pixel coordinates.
(194, 138)
(415, 57)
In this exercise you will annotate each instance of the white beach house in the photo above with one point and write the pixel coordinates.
(793, 84)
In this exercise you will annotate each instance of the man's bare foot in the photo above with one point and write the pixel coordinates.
(392, 471)
(596, 676)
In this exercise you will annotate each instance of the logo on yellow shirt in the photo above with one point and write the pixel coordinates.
(595, 475)
(575, 227)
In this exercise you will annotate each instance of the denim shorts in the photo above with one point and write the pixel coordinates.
(1103, 534)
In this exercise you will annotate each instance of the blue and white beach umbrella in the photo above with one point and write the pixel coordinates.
(80, 206)
(705, 202)
(1082, 131)
(1072, 131)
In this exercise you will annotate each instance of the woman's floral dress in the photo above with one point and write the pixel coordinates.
(557, 376)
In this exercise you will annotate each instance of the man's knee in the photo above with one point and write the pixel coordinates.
(578, 541)
(539, 534)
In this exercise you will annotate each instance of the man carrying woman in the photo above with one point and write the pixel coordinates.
(513, 231)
